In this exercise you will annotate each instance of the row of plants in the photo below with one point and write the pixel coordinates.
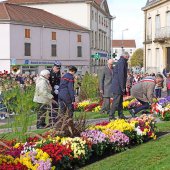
(50, 151)
(88, 106)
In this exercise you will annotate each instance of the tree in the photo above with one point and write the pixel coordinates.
(137, 58)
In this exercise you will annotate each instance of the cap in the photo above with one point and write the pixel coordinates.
(57, 63)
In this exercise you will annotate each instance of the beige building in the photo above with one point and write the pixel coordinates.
(157, 35)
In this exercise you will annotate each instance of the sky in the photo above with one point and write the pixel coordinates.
(128, 16)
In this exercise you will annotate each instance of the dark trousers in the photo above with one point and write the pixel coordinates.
(66, 108)
(158, 93)
(106, 105)
(144, 106)
(168, 92)
(41, 115)
(117, 105)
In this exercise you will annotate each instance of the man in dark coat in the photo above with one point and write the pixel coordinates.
(66, 92)
(106, 85)
(55, 76)
(119, 86)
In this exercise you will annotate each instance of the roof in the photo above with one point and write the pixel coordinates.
(48, 1)
(153, 3)
(126, 43)
(27, 15)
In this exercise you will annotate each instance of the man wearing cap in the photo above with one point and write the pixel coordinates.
(55, 76)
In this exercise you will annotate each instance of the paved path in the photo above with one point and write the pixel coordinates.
(90, 121)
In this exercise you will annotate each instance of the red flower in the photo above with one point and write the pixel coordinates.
(57, 152)
(18, 166)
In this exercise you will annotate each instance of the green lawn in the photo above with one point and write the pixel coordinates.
(154, 155)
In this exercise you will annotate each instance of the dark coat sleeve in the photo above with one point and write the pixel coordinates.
(71, 90)
(121, 75)
(102, 77)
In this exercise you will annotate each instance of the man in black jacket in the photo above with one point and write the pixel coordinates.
(119, 86)
(55, 76)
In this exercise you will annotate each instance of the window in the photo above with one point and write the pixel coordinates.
(79, 51)
(96, 42)
(92, 14)
(27, 49)
(27, 33)
(168, 18)
(53, 50)
(99, 19)
(149, 58)
(149, 29)
(157, 23)
(54, 36)
(92, 39)
(79, 38)
(96, 16)
(157, 60)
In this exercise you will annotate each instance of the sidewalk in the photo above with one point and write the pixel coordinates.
(90, 121)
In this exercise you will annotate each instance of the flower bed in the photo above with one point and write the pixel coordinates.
(55, 152)
(88, 106)
(162, 108)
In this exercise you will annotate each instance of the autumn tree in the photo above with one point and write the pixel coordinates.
(137, 58)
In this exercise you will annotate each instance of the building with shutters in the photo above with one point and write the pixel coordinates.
(33, 39)
(91, 14)
(157, 35)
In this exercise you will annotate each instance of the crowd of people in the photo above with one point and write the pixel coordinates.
(118, 81)
(58, 90)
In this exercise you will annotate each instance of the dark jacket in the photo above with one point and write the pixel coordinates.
(120, 76)
(106, 81)
(66, 89)
(165, 72)
(54, 80)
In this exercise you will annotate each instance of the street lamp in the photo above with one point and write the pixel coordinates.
(111, 50)
(122, 37)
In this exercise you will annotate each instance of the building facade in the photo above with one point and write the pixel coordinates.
(123, 45)
(93, 15)
(33, 39)
(157, 35)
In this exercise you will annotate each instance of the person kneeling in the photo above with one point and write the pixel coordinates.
(143, 91)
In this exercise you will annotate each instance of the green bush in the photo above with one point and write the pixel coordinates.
(89, 87)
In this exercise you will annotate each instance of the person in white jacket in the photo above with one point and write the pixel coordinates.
(43, 97)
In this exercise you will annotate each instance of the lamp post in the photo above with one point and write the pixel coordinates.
(123, 37)
(111, 50)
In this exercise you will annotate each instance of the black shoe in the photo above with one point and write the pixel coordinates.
(40, 127)
(112, 118)
(132, 113)
(122, 117)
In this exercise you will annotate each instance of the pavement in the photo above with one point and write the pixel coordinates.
(89, 122)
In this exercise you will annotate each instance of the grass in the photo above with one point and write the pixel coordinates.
(154, 155)
(10, 136)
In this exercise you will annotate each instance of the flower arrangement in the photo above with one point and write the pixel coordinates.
(51, 151)
(36, 160)
(162, 108)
